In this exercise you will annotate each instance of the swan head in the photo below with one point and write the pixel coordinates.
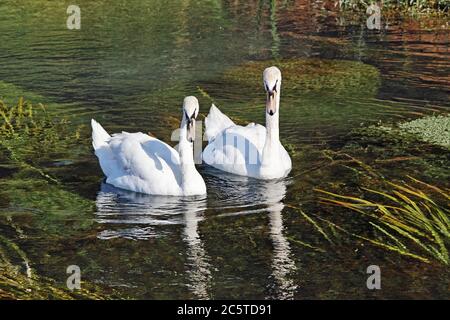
(190, 113)
(272, 85)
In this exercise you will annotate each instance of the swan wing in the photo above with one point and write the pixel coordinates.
(237, 150)
(140, 163)
(216, 122)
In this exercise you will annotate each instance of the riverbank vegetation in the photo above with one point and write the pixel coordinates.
(410, 6)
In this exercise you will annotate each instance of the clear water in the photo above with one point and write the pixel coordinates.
(130, 66)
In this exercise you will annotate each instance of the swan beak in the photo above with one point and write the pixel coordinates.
(190, 136)
(271, 107)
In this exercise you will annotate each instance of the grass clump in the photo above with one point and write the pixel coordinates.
(411, 220)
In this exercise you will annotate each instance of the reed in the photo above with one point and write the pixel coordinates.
(411, 220)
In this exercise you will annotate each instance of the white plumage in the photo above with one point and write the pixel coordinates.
(140, 163)
(253, 150)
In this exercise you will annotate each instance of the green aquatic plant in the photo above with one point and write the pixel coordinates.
(17, 117)
(432, 129)
(337, 77)
(411, 220)
(29, 135)
(419, 146)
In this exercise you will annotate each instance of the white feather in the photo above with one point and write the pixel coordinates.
(253, 150)
(140, 163)
(216, 122)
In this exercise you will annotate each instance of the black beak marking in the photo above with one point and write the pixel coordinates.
(271, 93)
(191, 118)
(271, 112)
(275, 87)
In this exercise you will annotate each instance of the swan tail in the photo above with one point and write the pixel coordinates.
(216, 122)
(103, 152)
(99, 135)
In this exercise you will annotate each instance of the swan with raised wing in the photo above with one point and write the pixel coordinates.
(141, 163)
(253, 150)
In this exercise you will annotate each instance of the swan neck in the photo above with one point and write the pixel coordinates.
(272, 127)
(186, 151)
(272, 123)
(272, 144)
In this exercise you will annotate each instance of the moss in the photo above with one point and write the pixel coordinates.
(336, 77)
(432, 129)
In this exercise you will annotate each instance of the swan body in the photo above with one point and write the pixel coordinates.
(144, 164)
(254, 150)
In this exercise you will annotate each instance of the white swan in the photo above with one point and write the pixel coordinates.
(140, 163)
(253, 150)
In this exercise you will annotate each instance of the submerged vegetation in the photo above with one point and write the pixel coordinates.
(410, 220)
(432, 129)
(30, 136)
(20, 280)
(300, 76)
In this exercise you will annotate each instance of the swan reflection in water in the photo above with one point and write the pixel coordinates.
(230, 195)
(240, 196)
(142, 214)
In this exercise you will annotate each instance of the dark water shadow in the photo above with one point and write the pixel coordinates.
(138, 216)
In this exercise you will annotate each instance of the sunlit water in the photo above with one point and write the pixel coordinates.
(130, 66)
